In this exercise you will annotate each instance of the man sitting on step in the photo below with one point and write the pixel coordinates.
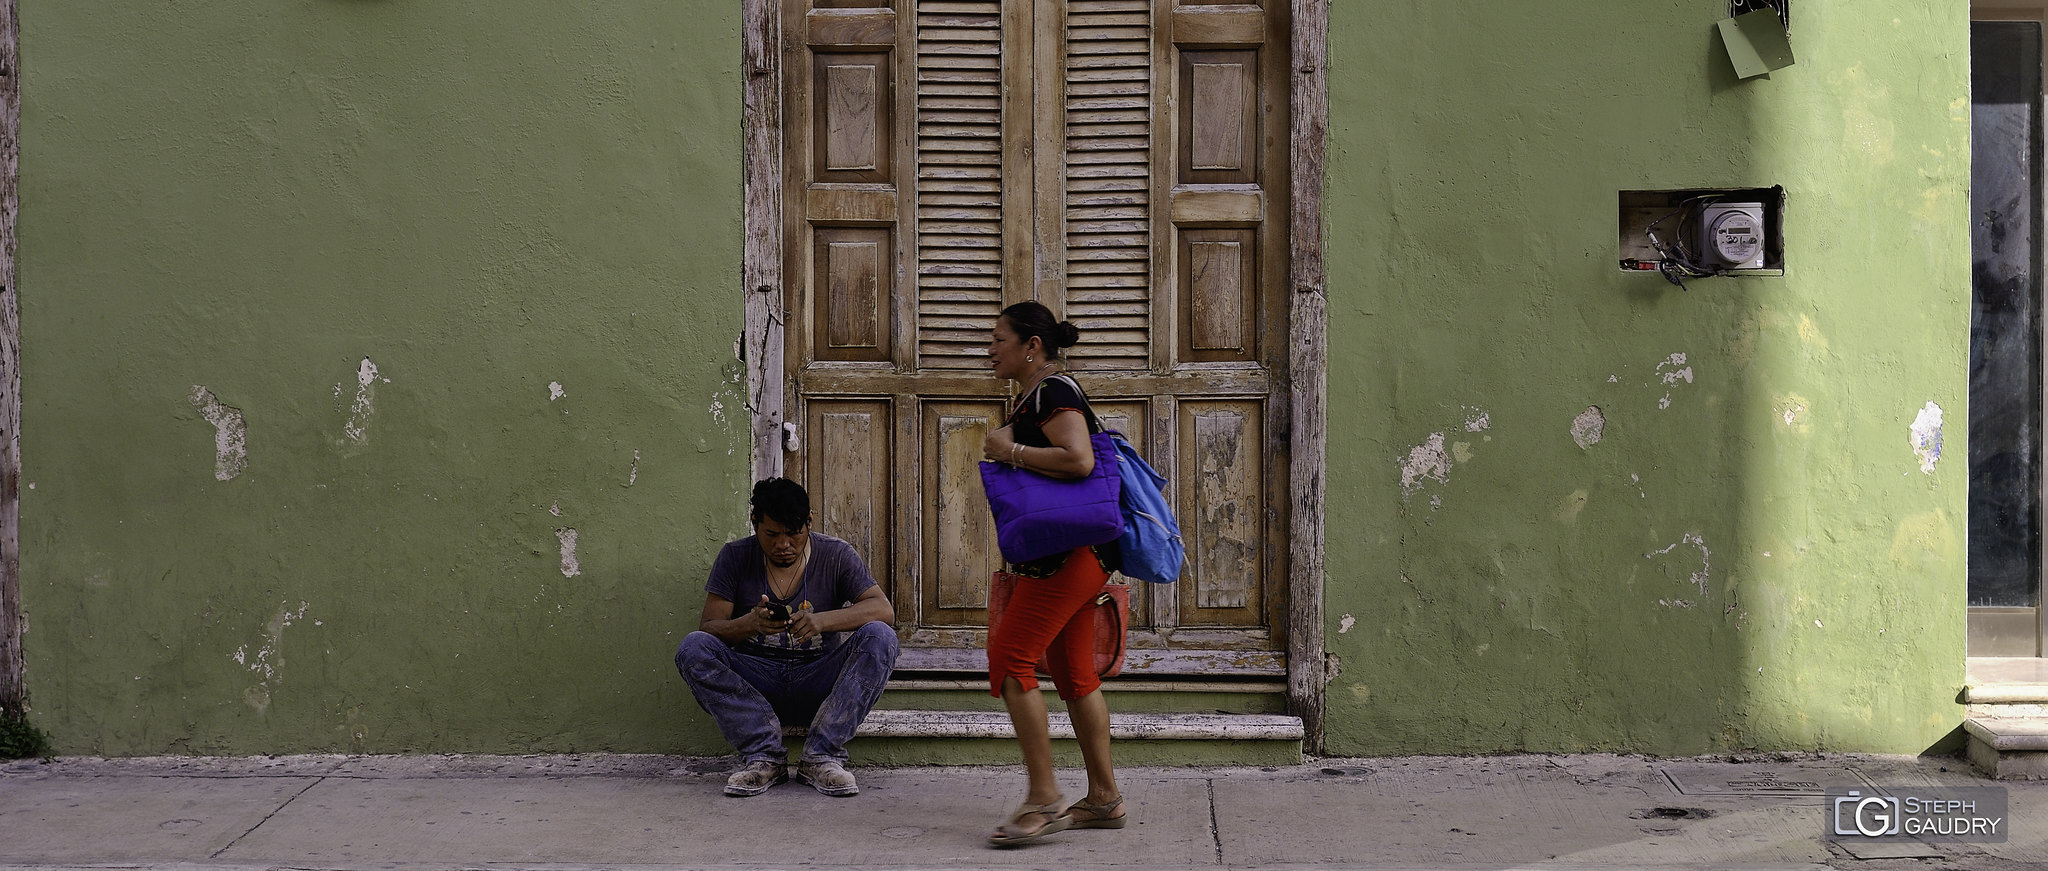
(814, 645)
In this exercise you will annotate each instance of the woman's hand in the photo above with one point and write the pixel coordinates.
(1069, 456)
(999, 444)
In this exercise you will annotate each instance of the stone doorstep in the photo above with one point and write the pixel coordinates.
(2006, 694)
(980, 685)
(1123, 727)
(2009, 734)
(2006, 712)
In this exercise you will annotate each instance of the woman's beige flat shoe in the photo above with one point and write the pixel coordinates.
(1016, 831)
(1100, 816)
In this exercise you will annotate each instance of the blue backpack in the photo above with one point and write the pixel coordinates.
(1151, 544)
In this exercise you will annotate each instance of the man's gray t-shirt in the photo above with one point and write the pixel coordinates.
(833, 579)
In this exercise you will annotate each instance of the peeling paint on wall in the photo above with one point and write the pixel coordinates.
(555, 391)
(1699, 578)
(570, 568)
(1426, 460)
(1672, 371)
(1344, 625)
(633, 474)
(1927, 437)
(230, 434)
(1589, 427)
(1791, 408)
(357, 427)
(732, 391)
(268, 660)
(1477, 420)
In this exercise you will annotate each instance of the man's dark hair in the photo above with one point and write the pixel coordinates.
(783, 501)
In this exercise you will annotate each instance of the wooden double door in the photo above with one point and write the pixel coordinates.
(1121, 161)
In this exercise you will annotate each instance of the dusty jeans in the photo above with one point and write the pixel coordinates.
(751, 697)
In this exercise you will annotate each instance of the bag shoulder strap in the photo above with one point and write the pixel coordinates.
(1087, 406)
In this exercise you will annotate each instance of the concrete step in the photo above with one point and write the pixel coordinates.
(1125, 695)
(904, 737)
(2006, 694)
(2009, 748)
(2006, 700)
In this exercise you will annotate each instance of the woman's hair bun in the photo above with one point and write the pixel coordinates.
(1067, 334)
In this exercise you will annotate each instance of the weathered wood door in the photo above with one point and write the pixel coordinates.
(1122, 161)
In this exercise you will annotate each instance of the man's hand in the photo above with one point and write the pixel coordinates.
(764, 619)
(803, 625)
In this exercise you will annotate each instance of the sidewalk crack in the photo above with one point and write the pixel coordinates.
(1215, 829)
(267, 817)
(1596, 781)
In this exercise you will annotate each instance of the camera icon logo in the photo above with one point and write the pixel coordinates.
(1873, 816)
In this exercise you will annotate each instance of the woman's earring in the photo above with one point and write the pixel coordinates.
(1027, 359)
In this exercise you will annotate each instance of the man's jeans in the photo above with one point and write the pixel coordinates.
(752, 696)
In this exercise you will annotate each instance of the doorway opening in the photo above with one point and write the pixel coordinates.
(2006, 619)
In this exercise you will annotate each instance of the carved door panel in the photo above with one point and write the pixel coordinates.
(1122, 161)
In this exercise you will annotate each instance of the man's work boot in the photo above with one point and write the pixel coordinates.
(828, 776)
(756, 778)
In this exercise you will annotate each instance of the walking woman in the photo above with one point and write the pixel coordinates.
(1050, 612)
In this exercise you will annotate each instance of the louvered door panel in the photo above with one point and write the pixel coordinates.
(1108, 185)
(959, 184)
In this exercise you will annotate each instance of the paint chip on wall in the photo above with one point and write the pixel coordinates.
(1589, 427)
(230, 434)
(1344, 625)
(1426, 460)
(267, 662)
(1699, 578)
(555, 391)
(570, 568)
(1672, 371)
(1792, 409)
(358, 425)
(1927, 437)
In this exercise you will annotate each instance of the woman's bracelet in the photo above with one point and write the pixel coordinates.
(1016, 455)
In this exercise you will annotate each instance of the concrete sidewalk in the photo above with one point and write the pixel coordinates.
(563, 812)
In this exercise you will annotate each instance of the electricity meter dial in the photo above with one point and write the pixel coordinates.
(1732, 235)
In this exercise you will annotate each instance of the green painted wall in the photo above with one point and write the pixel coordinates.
(481, 200)
(1751, 555)
(485, 203)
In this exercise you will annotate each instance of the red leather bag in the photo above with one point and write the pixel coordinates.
(1112, 608)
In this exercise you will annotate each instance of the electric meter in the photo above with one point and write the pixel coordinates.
(1732, 235)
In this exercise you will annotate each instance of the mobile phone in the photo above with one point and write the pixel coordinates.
(777, 612)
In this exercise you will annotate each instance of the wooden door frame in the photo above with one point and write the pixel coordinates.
(13, 670)
(763, 50)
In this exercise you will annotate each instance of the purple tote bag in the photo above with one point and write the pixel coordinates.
(1037, 516)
